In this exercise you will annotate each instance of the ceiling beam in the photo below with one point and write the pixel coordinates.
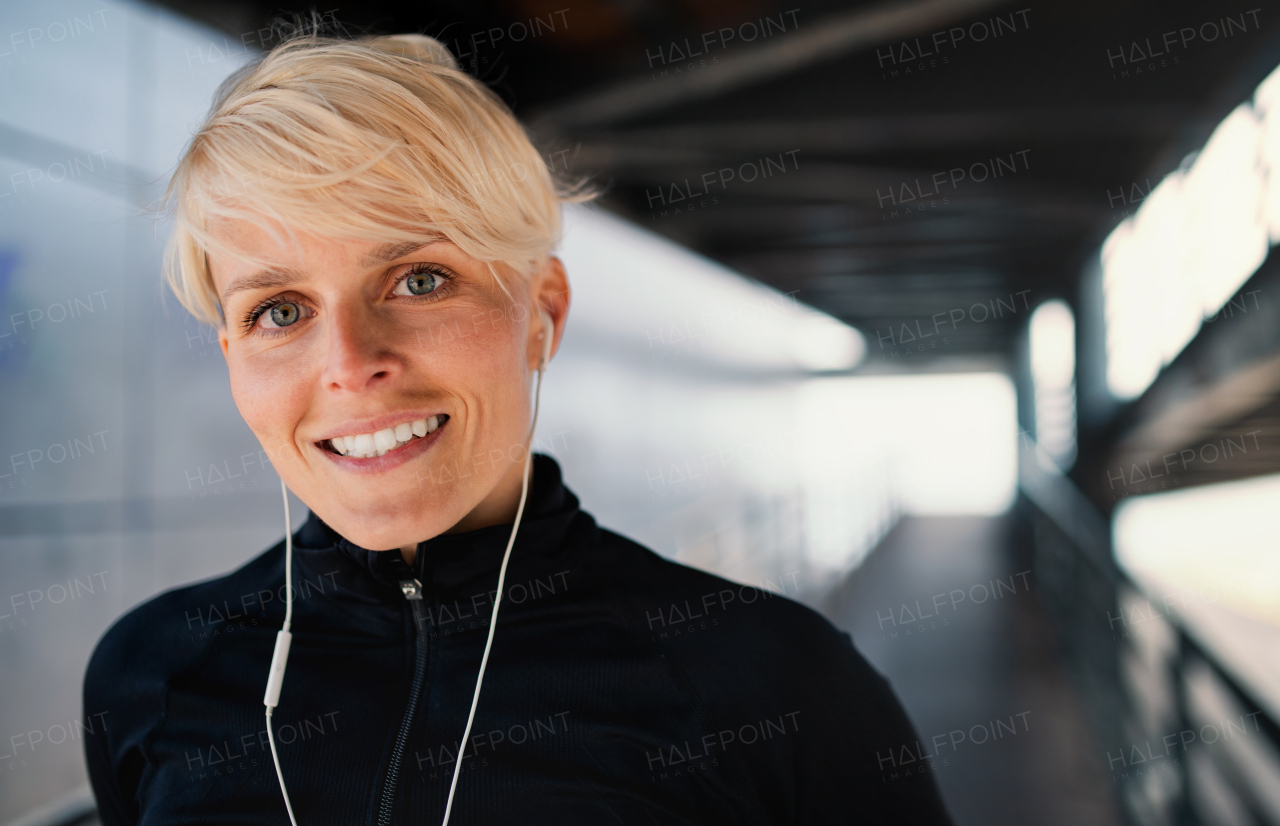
(837, 35)
(895, 133)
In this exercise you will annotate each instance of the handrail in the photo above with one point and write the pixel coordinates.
(1079, 520)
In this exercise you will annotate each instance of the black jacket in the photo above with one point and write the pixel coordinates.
(622, 688)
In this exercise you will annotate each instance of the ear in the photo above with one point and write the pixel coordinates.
(549, 292)
(223, 340)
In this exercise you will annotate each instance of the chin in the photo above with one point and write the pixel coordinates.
(386, 523)
(360, 530)
(392, 500)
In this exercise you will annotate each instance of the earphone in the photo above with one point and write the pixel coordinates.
(275, 677)
(547, 334)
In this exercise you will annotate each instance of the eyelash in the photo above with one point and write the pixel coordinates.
(251, 318)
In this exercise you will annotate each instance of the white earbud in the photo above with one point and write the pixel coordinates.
(548, 333)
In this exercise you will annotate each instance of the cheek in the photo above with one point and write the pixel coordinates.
(269, 393)
(487, 361)
(484, 365)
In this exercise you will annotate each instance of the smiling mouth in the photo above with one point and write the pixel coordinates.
(378, 443)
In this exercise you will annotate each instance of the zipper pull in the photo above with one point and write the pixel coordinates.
(412, 588)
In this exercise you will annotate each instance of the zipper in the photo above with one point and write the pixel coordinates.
(412, 589)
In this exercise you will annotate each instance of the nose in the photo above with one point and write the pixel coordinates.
(361, 355)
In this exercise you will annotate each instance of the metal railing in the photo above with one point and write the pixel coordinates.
(1189, 743)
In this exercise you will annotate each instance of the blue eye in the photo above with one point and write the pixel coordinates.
(282, 315)
(421, 282)
(273, 315)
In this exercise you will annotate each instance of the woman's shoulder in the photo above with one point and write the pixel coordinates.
(747, 652)
(675, 601)
(174, 629)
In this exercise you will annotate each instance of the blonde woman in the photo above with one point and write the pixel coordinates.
(371, 231)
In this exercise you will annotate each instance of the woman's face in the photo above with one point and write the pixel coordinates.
(415, 352)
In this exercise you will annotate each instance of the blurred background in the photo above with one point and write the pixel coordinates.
(956, 320)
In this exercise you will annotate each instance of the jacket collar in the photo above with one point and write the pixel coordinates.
(450, 562)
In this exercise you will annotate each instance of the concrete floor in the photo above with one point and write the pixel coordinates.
(963, 652)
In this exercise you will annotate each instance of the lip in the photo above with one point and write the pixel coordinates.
(391, 459)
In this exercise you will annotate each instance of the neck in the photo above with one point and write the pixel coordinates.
(498, 508)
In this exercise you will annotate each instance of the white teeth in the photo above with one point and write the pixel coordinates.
(384, 439)
(366, 445)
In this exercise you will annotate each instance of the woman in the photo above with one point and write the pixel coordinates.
(370, 230)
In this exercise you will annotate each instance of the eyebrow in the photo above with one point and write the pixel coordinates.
(392, 251)
(264, 280)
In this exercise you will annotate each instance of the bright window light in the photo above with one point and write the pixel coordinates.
(1053, 370)
(820, 342)
(1212, 543)
(1266, 102)
(679, 305)
(948, 442)
(957, 442)
(1183, 256)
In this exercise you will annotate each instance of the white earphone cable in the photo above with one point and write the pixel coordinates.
(281, 653)
(497, 600)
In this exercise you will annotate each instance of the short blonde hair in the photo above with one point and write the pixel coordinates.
(379, 138)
